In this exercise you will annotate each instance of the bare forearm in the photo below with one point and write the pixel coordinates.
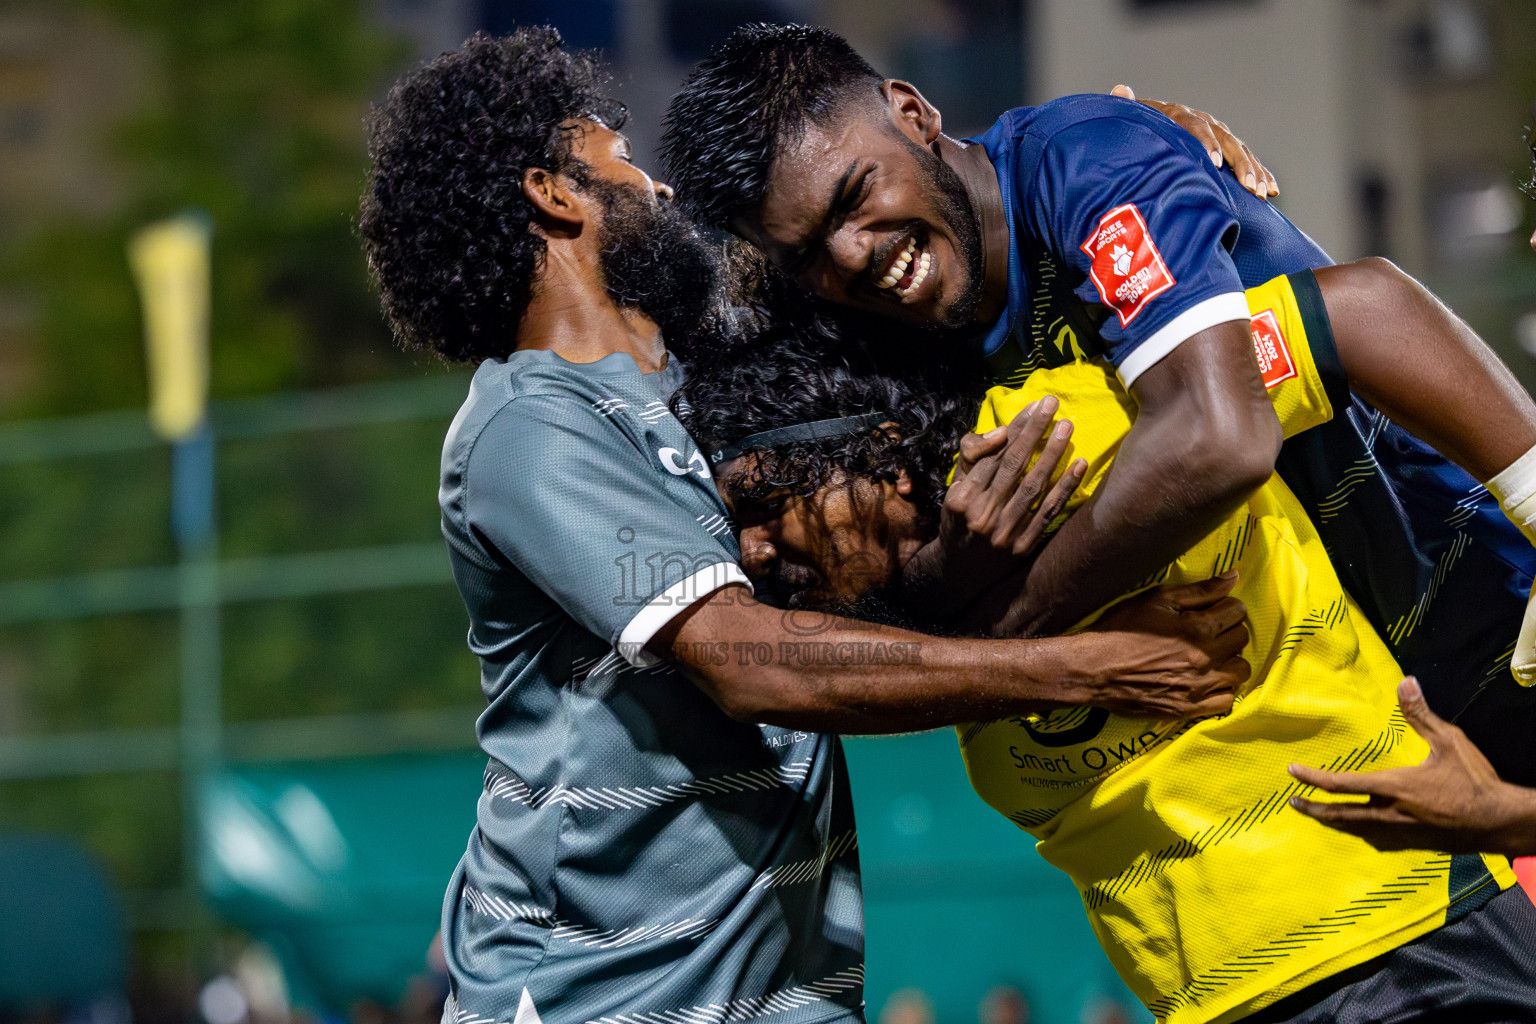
(1411, 357)
(1205, 438)
(850, 677)
(1517, 837)
(1139, 522)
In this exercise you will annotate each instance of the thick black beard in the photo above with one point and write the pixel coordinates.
(952, 202)
(883, 606)
(655, 260)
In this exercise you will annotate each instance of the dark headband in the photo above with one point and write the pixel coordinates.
(813, 431)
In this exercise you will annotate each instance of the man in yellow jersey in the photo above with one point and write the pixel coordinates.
(1211, 896)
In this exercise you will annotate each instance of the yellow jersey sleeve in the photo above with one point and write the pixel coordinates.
(1101, 412)
(1284, 352)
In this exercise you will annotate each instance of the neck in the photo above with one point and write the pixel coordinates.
(980, 181)
(572, 316)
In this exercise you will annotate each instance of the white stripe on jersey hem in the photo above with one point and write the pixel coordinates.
(1217, 310)
(670, 603)
(810, 869)
(629, 798)
(784, 999)
(598, 938)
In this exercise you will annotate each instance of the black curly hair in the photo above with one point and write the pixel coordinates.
(751, 97)
(796, 363)
(444, 219)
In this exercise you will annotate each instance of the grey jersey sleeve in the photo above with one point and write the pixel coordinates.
(593, 519)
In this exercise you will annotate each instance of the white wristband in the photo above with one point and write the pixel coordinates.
(1515, 489)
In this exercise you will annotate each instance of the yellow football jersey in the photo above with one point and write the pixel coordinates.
(1211, 895)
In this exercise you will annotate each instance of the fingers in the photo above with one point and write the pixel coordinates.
(1030, 421)
(1125, 92)
(1053, 505)
(1410, 697)
(1344, 815)
(975, 450)
(1229, 642)
(1246, 167)
(1357, 783)
(974, 447)
(1242, 162)
(1237, 669)
(1017, 512)
(1196, 122)
(1215, 704)
(1000, 476)
(1190, 596)
(1205, 135)
(1224, 616)
(1522, 662)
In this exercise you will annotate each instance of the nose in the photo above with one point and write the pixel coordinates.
(850, 249)
(758, 555)
(663, 191)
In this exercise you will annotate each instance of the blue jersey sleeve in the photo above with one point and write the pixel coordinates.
(1146, 221)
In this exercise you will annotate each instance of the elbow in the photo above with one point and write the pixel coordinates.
(745, 711)
(1259, 451)
(748, 695)
(1373, 282)
(1236, 458)
(739, 703)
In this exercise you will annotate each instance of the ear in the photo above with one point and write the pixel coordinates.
(558, 209)
(918, 119)
(904, 483)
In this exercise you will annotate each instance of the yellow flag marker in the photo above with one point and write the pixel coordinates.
(170, 263)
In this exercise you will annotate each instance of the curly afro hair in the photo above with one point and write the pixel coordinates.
(444, 220)
(796, 362)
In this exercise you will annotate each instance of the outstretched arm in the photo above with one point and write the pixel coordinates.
(1408, 355)
(1174, 655)
(1452, 802)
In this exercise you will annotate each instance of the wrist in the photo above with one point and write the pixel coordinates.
(1061, 671)
(1515, 489)
(1083, 665)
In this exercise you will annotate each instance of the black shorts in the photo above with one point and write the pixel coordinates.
(1479, 969)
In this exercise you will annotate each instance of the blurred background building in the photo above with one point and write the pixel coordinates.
(279, 766)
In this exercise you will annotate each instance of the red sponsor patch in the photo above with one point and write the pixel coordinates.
(1127, 268)
(1274, 355)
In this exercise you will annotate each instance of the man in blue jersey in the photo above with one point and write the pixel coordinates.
(1090, 227)
(665, 832)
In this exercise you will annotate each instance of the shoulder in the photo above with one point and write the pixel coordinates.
(1100, 121)
(1097, 113)
(517, 417)
(1099, 135)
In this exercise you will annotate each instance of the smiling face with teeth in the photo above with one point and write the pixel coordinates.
(863, 213)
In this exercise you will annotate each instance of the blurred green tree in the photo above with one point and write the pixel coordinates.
(254, 112)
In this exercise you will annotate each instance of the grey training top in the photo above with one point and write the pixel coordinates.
(640, 858)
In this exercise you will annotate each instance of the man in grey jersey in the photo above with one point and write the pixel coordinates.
(665, 834)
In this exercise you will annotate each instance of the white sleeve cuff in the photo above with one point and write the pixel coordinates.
(1216, 310)
(668, 604)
